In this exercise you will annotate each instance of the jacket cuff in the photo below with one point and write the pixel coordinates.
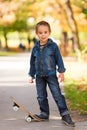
(62, 70)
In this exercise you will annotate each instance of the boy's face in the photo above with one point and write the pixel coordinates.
(43, 33)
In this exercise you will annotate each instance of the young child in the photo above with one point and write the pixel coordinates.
(45, 61)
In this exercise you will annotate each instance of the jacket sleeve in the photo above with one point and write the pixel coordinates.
(32, 70)
(59, 61)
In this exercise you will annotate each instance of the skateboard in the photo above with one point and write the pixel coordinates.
(30, 117)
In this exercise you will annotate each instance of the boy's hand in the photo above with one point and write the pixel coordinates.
(30, 80)
(61, 77)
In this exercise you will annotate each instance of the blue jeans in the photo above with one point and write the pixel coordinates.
(41, 86)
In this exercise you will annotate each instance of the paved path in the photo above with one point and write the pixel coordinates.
(14, 82)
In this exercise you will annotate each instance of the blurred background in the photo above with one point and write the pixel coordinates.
(68, 20)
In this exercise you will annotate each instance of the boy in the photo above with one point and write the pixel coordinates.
(45, 59)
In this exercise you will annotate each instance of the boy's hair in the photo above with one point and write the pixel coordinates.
(42, 23)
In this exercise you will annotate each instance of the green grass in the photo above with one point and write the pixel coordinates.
(76, 95)
(7, 53)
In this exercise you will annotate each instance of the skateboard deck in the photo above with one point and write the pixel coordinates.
(30, 117)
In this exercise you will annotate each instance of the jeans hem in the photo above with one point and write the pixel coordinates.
(65, 113)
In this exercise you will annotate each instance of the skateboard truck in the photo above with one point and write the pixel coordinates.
(28, 118)
(15, 107)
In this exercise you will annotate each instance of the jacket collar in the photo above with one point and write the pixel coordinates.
(37, 43)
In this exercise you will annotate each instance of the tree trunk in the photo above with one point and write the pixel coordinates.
(6, 47)
(64, 45)
(72, 24)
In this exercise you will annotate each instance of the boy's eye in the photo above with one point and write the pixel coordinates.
(45, 32)
(40, 32)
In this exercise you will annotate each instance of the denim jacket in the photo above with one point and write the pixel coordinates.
(46, 61)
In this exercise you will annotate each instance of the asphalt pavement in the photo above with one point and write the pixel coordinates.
(14, 82)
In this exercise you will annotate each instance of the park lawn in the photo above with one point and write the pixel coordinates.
(76, 95)
(7, 53)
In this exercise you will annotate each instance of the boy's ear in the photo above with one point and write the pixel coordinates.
(36, 32)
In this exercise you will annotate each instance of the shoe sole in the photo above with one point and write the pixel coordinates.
(72, 125)
(41, 118)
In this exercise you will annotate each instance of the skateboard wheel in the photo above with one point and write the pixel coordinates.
(15, 108)
(28, 119)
